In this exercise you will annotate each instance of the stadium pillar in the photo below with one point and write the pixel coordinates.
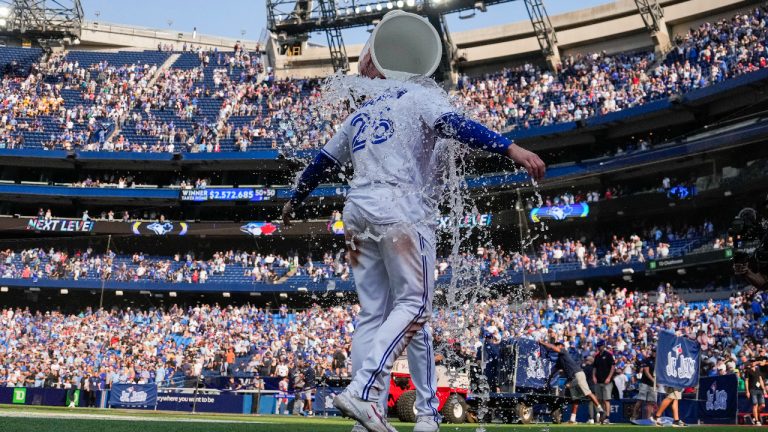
(653, 18)
(545, 33)
(445, 72)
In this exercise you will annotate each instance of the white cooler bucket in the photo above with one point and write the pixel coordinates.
(402, 45)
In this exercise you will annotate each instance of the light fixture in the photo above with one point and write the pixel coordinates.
(255, 294)
(144, 292)
(225, 294)
(368, 9)
(389, 5)
(378, 7)
(172, 294)
(400, 3)
(34, 289)
(357, 10)
(64, 291)
(301, 289)
(340, 12)
(284, 295)
(3, 289)
(118, 293)
(410, 3)
(349, 11)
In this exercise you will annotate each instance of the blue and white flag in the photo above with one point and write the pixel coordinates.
(718, 399)
(677, 361)
(133, 395)
(533, 364)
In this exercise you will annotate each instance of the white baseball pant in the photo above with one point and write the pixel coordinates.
(394, 278)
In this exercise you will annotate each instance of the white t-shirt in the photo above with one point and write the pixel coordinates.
(391, 143)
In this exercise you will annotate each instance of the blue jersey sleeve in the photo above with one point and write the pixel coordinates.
(320, 170)
(454, 126)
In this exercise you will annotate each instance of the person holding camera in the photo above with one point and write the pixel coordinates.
(758, 280)
(748, 226)
(646, 395)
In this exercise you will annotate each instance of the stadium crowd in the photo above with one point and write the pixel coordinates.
(598, 83)
(257, 107)
(260, 267)
(170, 345)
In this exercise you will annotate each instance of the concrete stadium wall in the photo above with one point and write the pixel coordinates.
(101, 36)
(613, 27)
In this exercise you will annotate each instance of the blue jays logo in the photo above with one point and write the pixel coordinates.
(716, 399)
(578, 210)
(259, 228)
(679, 365)
(132, 395)
(160, 228)
(535, 367)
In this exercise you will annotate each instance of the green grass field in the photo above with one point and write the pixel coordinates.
(51, 419)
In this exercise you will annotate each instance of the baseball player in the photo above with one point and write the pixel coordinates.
(391, 141)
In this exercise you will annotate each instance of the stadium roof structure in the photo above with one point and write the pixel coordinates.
(41, 19)
(303, 16)
(292, 20)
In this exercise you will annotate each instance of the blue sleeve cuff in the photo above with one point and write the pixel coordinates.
(469, 132)
(320, 170)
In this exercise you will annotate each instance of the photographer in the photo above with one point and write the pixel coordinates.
(749, 227)
(758, 280)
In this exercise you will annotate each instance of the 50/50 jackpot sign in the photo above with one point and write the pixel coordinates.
(227, 194)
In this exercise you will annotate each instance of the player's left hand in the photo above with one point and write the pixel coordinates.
(529, 160)
(287, 214)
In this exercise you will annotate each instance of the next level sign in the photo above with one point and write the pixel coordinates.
(60, 225)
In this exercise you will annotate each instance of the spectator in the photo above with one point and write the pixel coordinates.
(602, 376)
(755, 391)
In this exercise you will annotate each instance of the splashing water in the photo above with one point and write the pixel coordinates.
(465, 293)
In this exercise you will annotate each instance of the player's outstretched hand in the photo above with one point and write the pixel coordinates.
(529, 160)
(287, 214)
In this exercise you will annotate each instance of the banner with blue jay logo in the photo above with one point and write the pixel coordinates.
(133, 395)
(718, 399)
(533, 364)
(677, 361)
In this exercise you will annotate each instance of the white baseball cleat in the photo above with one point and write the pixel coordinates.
(365, 412)
(426, 424)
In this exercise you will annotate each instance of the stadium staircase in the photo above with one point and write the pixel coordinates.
(167, 64)
(289, 274)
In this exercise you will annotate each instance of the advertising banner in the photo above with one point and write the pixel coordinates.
(677, 361)
(578, 210)
(226, 194)
(221, 403)
(323, 402)
(60, 225)
(19, 395)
